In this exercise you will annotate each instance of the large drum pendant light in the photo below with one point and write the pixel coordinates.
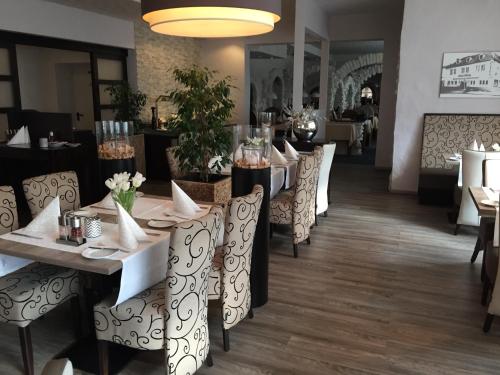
(211, 18)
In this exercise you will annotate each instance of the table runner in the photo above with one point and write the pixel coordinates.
(141, 268)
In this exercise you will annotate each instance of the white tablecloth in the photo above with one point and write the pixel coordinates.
(141, 268)
(277, 180)
(290, 169)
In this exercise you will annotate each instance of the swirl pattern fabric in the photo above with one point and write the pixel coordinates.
(40, 191)
(230, 272)
(29, 293)
(318, 156)
(295, 207)
(449, 133)
(171, 315)
(8, 210)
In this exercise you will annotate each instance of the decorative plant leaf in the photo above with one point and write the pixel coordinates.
(127, 103)
(203, 107)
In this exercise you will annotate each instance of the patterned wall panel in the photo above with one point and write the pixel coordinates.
(450, 133)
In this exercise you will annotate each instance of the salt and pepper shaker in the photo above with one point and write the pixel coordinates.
(63, 231)
(76, 230)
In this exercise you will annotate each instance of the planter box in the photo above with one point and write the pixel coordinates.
(218, 191)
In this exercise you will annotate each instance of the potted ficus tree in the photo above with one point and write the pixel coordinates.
(203, 108)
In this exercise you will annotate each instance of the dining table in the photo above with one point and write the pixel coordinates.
(479, 196)
(125, 273)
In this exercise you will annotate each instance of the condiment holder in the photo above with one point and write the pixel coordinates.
(74, 228)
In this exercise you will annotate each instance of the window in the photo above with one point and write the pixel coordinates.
(9, 84)
(467, 70)
(483, 68)
(463, 70)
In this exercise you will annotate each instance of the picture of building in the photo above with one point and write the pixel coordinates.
(470, 75)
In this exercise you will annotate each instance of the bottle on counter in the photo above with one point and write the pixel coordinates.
(154, 118)
(51, 136)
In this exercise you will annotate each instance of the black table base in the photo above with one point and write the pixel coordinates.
(243, 181)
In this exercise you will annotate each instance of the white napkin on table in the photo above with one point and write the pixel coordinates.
(130, 233)
(46, 222)
(277, 157)
(22, 137)
(183, 204)
(291, 152)
(481, 148)
(474, 146)
(108, 201)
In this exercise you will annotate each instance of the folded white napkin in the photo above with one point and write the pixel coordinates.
(481, 148)
(22, 137)
(183, 204)
(46, 222)
(108, 201)
(474, 146)
(290, 152)
(277, 157)
(130, 233)
(496, 147)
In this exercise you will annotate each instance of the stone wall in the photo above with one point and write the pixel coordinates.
(156, 56)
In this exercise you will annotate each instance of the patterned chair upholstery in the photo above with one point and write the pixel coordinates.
(294, 207)
(8, 210)
(171, 315)
(173, 163)
(230, 273)
(318, 155)
(34, 290)
(40, 191)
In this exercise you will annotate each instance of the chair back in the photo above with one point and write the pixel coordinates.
(241, 221)
(303, 198)
(318, 156)
(8, 210)
(173, 163)
(41, 190)
(324, 178)
(491, 173)
(192, 247)
(472, 175)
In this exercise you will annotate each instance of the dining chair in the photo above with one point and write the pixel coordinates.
(173, 163)
(40, 191)
(229, 279)
(318, 156)
(293, 207)
(34, 290)
(323, 199)
(472, 175)
(172, 315)
(489, 282)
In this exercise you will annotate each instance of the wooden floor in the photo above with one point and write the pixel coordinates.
(384, 288)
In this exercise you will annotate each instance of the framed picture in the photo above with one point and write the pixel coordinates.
(470, 75)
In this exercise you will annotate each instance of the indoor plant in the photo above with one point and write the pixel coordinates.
(203, 107)
(127, 103)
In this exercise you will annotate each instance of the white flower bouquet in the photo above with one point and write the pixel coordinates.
(123, 188)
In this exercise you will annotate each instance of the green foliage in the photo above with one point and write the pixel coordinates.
(203, 107)
(127, 103)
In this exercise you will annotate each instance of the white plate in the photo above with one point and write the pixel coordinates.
(98, 253)
(161, 224)
(488, 202)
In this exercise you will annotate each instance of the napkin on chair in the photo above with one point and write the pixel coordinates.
(46, 222)
(481, 148)
(183, 204)
(277, 157)
(22, 137)
(130, 233)
(290, 152)
(474, 146)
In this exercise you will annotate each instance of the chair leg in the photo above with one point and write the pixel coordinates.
(325, 214)
(250, 313)
(316, 223)
(225, 338)
(487, 323)
(26, 350)
(103, 349)
(295, 251)
(486, 291)
(209, 361)
(308, 240)
(457, 227)
(76, 312)
(477, 249)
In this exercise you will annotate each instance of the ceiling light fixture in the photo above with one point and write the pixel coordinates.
(211, 18)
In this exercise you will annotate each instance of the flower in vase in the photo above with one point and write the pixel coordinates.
(123, 188)
(137, 180)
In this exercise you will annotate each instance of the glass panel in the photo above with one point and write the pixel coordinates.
(6, 95)
(109, 69)
(104, 96)
(107, 114)
(4, 62)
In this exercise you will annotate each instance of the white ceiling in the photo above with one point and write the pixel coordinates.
(359, 6)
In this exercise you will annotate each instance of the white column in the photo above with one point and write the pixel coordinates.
(323, 85)
(298, 57)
